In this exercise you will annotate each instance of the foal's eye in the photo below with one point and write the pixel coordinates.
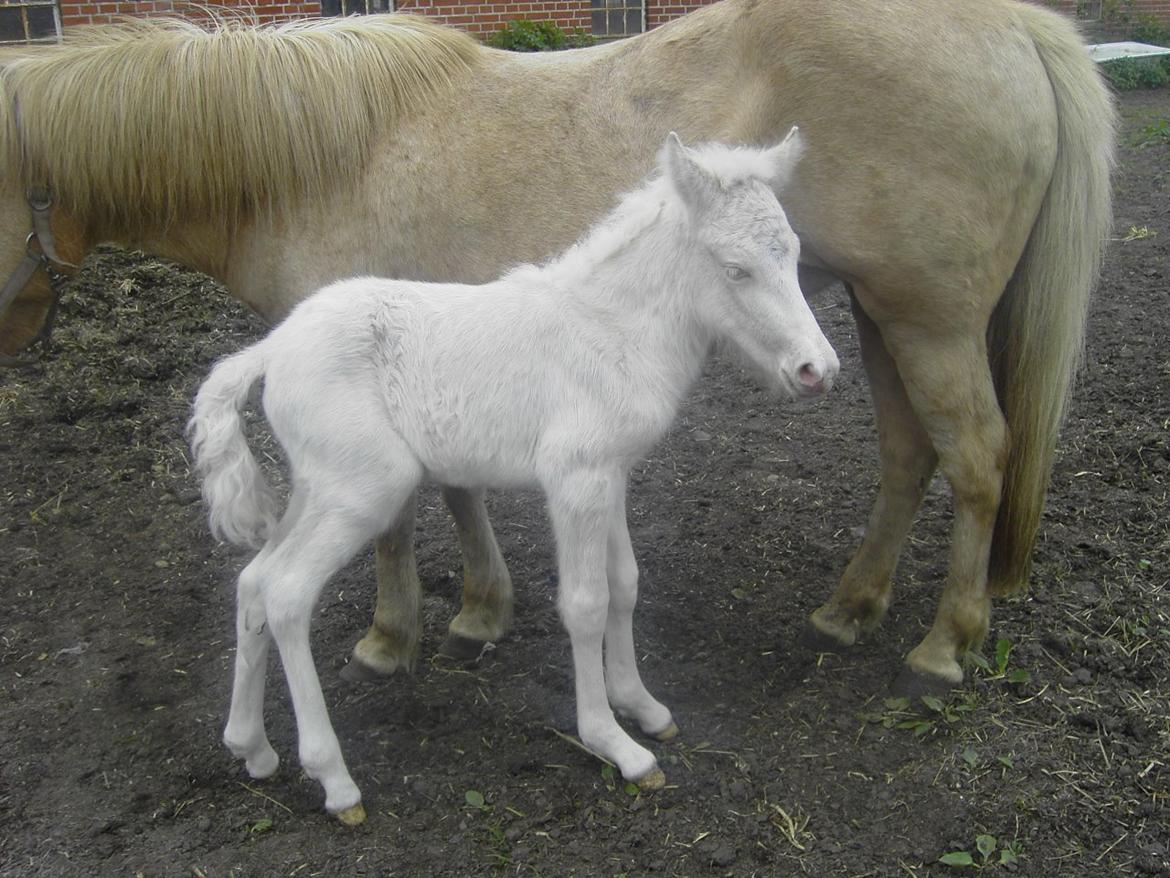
(734, 272)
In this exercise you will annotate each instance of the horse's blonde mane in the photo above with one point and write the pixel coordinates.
(144, 122)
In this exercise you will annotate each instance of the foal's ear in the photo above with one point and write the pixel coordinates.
(784, 157)
(694, 183)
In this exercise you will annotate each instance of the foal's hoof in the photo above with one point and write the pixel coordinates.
(463, 649)
(652, 780)
(667, 734)
(914, 684)
(354, 816)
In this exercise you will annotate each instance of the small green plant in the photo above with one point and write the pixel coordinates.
(525, 35)
(901, 713)
(493, 835)
(971, 758)
(989, 852)
(609, 775)
(997, 668)
(1138, 233)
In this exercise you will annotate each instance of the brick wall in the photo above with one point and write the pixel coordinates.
(75, 12)
(661, 11)
(485, 16)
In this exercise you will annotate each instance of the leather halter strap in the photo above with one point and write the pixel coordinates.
(40, 253)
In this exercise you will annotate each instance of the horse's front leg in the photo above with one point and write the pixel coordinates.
(627, 694)
(392, 640)
(908, 461)
(580, 506)
(486, 614)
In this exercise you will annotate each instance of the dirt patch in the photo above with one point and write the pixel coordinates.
(116, 634)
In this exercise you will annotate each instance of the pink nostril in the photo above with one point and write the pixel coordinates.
(810, 377)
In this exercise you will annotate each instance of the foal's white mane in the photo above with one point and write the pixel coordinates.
(657, 199)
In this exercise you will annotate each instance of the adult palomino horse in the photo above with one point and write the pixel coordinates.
(562, 375)
(957, 181)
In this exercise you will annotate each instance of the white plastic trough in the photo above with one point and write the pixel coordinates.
(1113, 51)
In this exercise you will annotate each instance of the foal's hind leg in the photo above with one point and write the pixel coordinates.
(337, 520)
(244, 733)
(908, 460)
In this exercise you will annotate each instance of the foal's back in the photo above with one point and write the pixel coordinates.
(475, 380)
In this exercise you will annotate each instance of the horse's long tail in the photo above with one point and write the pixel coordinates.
(242, 505)
(1037, 334)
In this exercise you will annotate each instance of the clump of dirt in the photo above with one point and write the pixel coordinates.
(116, 636)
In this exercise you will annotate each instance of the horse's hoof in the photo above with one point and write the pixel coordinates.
(914, 684)
(814, 639)
(463, 649)
(357, 671)
(667, 734)
(652, 780)
(354, 816)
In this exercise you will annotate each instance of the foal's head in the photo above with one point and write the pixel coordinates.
(748, 291)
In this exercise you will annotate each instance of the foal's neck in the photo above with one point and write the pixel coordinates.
(635, 274)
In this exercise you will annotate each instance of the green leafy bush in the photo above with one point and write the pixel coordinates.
(523, 35)
(1127, 74)
(1148, 29)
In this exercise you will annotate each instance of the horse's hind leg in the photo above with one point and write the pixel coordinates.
(942, 359)
(486, 614)
(908, 460)
(392, 640)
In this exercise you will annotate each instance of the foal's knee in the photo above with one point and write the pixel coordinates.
(287, 609)
(583, 610)
(623, 584)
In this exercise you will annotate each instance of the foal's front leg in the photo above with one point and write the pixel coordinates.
(623, 683)
(580, 506)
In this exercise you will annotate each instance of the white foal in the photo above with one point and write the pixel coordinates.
(562, 375)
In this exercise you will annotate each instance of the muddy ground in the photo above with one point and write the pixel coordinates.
(116, 639)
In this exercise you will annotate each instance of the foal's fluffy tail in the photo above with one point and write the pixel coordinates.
(242, 505)
(1037, 333)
